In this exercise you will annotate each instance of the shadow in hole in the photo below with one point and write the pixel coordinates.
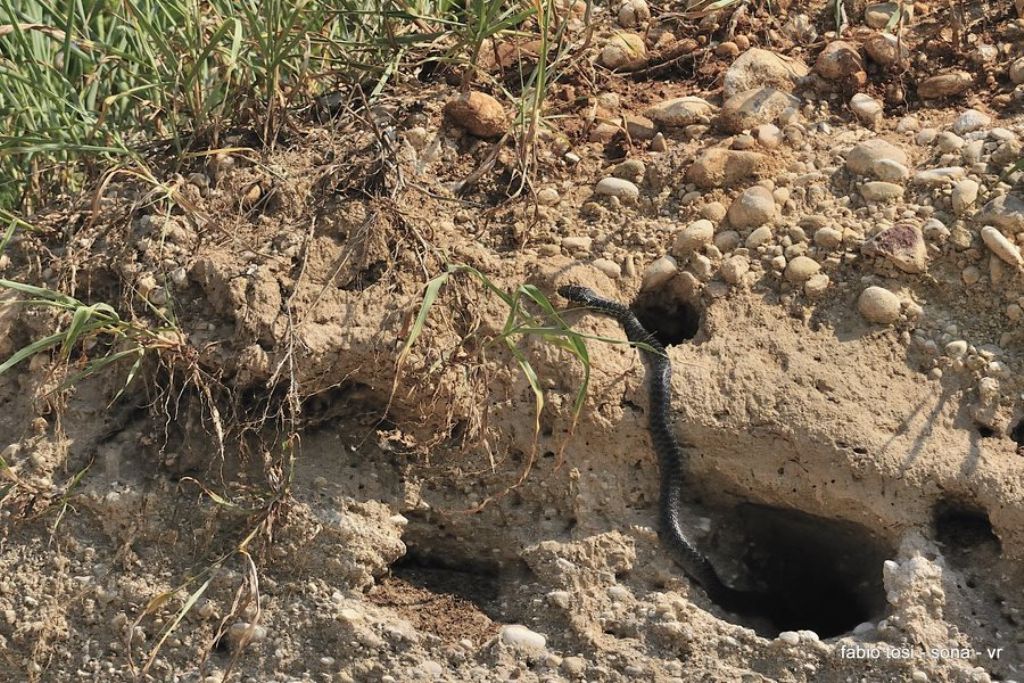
(820, 574)
(671, 319)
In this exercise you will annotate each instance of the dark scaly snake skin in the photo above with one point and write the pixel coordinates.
(670, 454)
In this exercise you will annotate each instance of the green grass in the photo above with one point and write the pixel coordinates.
(85, 83)
(529, 314)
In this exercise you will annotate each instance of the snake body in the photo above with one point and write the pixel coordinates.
(671, 529)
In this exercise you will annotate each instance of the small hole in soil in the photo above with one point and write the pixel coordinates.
(964, 527)
(822, 574)
(670, 318)
(986, 432)
(1017, 433)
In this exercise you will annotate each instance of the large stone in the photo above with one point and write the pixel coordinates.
(903, 245)
(1005, 212)
(681, 111)
(717, 167)
(757, 68)
(754, 207)
(753, 108)
(865, 155)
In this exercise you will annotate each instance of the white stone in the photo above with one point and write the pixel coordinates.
(965, 193)
(879, 305)
(878, 191)
(617, 187)
(866, 108)
(970, 121)
(522, 638)
(939, 176)
(1001, 246)
(865, 155)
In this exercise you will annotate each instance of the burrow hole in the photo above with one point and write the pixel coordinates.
(964, 528)
(670, 317)
(1017, 433)
(820, 574)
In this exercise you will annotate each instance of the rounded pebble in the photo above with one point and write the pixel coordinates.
(618, 187)
(522, 638)
(879, 305)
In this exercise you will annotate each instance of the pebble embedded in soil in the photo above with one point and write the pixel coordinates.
(479, 113)
(801, 269)
(694, 236)
(681, 111)
(866, 108)
(880, 191)
(864, 156)
(879, 305)
(624, 51)
(1001, 246)
(757, 68)
(944, 85)
(754, 207)
(242, 633)
(717, 167)
(522, 638)
(659, 272)
(619, 188)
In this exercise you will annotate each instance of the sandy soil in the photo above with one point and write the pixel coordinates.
(274, 498)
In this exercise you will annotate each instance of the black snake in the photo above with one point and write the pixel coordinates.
(670, 455)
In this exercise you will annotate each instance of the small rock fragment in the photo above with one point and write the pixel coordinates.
(751, 108)
(1005, 212)
(903, 245)
(718, 167)
(841, 61)
(478, 113)
(734, 268)
(880, 191)
(863, 157)
(970, 121)
(241, 634)
(754, 207)
(884, 49)
(681, 111)
(965, 193)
